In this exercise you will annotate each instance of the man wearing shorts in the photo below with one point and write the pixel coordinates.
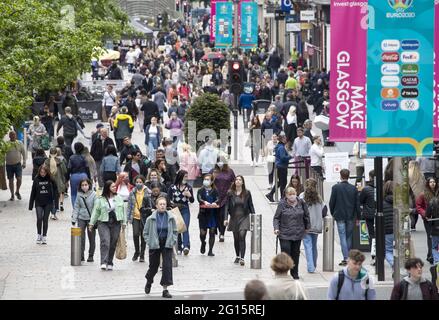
(13, 163)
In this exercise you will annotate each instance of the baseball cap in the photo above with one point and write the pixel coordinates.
(99, 125)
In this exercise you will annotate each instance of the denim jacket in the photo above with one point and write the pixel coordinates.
(110, 163)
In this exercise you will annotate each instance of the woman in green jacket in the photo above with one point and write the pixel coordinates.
(109, 211)
(160, 234)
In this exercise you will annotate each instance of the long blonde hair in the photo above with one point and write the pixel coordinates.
(416, 178)
(53, 168)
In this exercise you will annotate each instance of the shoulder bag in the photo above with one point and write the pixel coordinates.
(144, 212)
(95, 226)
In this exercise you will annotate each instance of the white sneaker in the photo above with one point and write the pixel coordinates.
(103, 267)
(44, 240)
(39, 238)
(109, 267)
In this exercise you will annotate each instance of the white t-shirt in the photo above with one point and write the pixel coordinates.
(131, 57)
(123, 192)
(316, 154)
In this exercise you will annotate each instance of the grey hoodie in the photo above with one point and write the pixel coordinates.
(352, 289)
(414, 291)
(317, 212)
(79, 209)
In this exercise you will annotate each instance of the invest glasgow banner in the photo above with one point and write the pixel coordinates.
(213, 18)
(400, 78)
(348, 71)
(249, 25)
(224, 25)
(436, 71)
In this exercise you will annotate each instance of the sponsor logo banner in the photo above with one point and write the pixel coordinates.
(403, 35)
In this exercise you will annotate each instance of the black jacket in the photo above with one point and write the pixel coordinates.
(98, 148)
(66, 151)
(126, 151)
(344, 202)
(69, 125)
(291, 221)
(44, 192)
(367, 201)
(388, 214)
(432, 212)
(230, 205)
(37, 162)
(131, 173)
(150, 109)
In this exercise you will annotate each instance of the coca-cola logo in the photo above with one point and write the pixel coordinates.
(390, 57)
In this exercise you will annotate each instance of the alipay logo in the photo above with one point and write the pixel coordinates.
(390, 45)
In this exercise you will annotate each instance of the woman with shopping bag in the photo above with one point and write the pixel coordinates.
(160, 235)
(108, 211)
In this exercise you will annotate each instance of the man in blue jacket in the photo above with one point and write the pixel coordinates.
(245, 102)
(344, 206)
(282, 158)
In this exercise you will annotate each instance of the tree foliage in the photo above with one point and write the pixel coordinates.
(45, 45)
(209, 112)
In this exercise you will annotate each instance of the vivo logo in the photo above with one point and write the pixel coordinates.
(390, 69)
(390, 57)
(389, 105)
(390, 81)
(410, 57)
(409, 105)
(410, 81)
(390, 45)
(410, 44)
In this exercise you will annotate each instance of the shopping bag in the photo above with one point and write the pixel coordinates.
(121, 247)
(181, 226)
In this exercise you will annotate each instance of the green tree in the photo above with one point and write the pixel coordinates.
(47, 45)
(208, 112)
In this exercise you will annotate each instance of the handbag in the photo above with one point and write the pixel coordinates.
(121, 247)
(144, 212)
(181, 226)
(95, 226)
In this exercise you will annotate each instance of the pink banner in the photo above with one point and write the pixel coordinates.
(436, 73)
(348, 71)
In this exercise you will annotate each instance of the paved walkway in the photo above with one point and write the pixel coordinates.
(31, 271)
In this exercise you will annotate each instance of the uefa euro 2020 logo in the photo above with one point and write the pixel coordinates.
(400, 5)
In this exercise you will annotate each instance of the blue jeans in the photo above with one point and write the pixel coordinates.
(389, 248)
(152, 148)
(185, 213)
(345, 229)
(435, 249)
(310, 244)
(74, 183)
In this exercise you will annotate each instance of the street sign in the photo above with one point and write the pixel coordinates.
(279, 15)
(307, 15)
(286, 5)
(291, 18)
(292, 27)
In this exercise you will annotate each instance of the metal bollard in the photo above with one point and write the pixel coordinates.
(256, 241)
(75, 254)
(174, 257)
(328, 243)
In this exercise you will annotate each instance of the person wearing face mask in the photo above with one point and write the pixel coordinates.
(139, 208)
(239, 206)
(109, 212)
(291, 222)
(156, 192)
(180, 194)
(208, 217)
(82, 214)
(123, 186)
(155, 177)
(160, 234)
(223, 177)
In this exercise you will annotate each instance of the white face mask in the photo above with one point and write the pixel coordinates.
(206, 183)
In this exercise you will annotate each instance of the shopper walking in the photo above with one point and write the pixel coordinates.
(77, 169)
(160, 234)
(81, 216)
(291, 222)
(43, 196)
(208, 216)
(14, 164)
(108, 212)
(239, 206)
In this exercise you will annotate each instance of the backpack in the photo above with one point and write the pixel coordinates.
(340, 282)
(45, 142)
(404, 287)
